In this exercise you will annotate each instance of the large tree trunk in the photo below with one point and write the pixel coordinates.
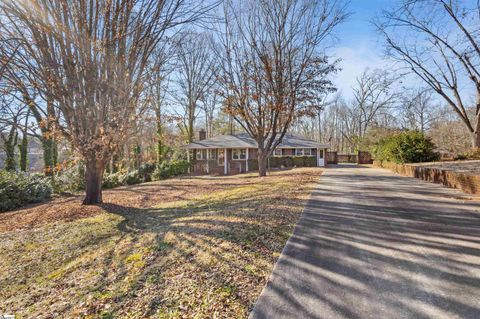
(23, 150)
(262, 162)
(50, 152)
(476, 139)
(93, 181)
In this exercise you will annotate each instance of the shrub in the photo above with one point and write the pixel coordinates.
(146, 170)
(406, 147)
(299, 161)
(20, 189)
(169, 169)
(310, 161)
(113, 180)
(131, 178)
(69, 180)
(253, 165)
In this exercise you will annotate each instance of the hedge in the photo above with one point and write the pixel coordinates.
(19, 189)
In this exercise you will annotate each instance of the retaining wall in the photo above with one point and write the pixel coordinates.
(469, 183)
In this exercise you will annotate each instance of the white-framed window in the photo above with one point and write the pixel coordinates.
(320, 155)
(303, 152)
(201, 155)
(278, 152)
(212, 154)
(239, 154)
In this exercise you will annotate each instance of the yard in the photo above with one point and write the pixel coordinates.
(192, 247)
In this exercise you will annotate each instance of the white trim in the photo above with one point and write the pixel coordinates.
(239, 149)
(208, 165)
(225, 160)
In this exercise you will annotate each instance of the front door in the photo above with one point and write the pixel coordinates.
(321, 157)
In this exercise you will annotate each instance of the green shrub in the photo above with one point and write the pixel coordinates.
(113, 180)
(299, 161)
(131, 178)
(406, 147)
(69, 180)
(146, 170)
(310, 161)
(253, 164)
(20, 189)
(169, 169)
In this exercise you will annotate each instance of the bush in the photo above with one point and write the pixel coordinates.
(69, 180)
(169, 169)
(406, 147)
(20, 189)
(146, 170)
(131, 178)
(113, 180)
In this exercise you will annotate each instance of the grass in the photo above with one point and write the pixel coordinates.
(205, 251)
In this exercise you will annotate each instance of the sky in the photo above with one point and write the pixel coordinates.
(358, 43)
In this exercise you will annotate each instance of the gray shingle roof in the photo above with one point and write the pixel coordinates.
(243, 140)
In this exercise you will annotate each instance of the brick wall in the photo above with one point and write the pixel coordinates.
(469, 183)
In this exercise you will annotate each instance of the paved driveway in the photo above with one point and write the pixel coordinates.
(372, 244)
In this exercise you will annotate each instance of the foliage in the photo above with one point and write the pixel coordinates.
(69, 180)
(406, 147)
(18, 189)
(169, 169)
(293, 161)
(113, 180)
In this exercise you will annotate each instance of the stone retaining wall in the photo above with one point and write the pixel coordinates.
(469, 183)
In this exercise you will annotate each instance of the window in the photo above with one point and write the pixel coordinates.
(239, 154)
(278, 152)
(201, 155)
(212, 154)
(303, 152)
(320, 155)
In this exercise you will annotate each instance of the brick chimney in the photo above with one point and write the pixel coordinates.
(202, 135)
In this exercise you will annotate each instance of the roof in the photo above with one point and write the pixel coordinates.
(243, 140)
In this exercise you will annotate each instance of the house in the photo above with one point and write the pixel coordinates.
(237, 153)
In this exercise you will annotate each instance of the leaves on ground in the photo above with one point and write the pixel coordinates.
(197, 247)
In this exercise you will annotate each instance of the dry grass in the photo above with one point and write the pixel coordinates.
(183, 248)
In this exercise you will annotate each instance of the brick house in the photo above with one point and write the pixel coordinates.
(237, 153)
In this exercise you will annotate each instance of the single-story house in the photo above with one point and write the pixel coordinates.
(237, 153)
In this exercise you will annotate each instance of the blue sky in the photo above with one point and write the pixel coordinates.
(359, 46)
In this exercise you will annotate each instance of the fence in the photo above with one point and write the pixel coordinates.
(359, 157)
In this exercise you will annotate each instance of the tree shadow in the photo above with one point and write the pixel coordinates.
(378, 246)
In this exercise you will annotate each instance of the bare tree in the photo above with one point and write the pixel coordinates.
(373, 93)
(92, 58)
(273, 65)
(419, 110)
(438, 40)
(196, 75)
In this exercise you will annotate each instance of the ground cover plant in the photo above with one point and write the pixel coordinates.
(191, 247)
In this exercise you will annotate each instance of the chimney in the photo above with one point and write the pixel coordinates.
(202, 135)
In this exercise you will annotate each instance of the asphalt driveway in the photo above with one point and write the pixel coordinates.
(372, 244)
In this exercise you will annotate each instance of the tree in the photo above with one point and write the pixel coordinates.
(373, 93)
(419, 110)
(196, 75)
(438, 40)
(273, 67)
(92, 58)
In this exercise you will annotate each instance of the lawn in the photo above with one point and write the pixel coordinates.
(192, 247)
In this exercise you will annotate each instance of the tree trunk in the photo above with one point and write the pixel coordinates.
(262, 163)
(476, 140)
(23, 150)
(49, 155)
(93, 181)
